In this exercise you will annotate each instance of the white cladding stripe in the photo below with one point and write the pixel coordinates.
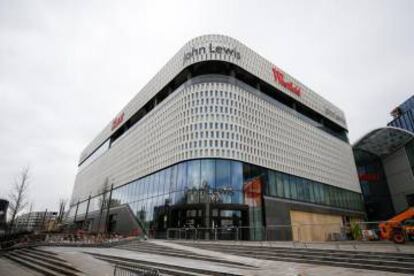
(249, 60)
(249, 128)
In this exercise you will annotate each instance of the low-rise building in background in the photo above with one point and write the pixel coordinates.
(35, 221)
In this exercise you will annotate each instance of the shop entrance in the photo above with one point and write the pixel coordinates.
(218, 221)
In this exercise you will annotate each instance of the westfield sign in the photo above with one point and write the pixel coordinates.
(117, 121)
(280, 78)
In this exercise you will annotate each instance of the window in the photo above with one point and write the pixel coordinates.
(208, 173)
(293, 187)
(236, 175)
(193, 174)
(286, 186)
(271, 184)
(182, 176)
(279, 184)
(222, 174)
(95, 154)
(173, 178)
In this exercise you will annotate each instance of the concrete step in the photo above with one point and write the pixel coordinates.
(353, 261)
(339, 254)
(312, 250)
(57, 269)
(162, 267)
(166, 251)
(53, 261)
(345, 264)
(32, 266)
(42, 254)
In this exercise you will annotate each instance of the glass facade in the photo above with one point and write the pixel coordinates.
(409, 149)
(404, 116)
(374, 186)
(405, 121)
(215, 193)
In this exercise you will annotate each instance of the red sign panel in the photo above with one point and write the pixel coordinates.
(369, 176)
(117, 121)
(280, 78)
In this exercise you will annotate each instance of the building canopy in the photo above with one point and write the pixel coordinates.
(383, 141)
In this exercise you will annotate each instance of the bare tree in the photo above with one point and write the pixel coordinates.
(62, 207)
(102, 201)
(18, 195)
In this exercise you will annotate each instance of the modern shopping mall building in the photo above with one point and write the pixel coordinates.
(220, 137)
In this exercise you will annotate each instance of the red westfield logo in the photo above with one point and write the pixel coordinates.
(117, 121)
(280, 78)
(369, 176)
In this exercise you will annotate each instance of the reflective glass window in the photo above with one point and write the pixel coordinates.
(306, 190)
(167, 180)
(279, 184)
(156, 183)
(323, 193)
(161, 183)
(141, 188)
(237, 197)
(309, 183)
(193, 174)
(151, 186)
(271, 183)
(236, 175)
(286, 186)
(208, 173)
(173, 179)
(300, 189)
(293, 188)
(182, 176)
(192, 196)
(180, 197)
(115, 197)
(222, 174)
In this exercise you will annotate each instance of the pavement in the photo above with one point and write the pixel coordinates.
(91, 266)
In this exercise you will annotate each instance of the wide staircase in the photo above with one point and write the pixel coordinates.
(152, 248)
(162, 268)
(41, 262)
(391, 262)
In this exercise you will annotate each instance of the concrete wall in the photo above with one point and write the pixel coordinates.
(399, 177)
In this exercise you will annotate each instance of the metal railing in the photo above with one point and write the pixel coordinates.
(365, 231)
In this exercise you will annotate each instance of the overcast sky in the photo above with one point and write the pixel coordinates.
(68, 67)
